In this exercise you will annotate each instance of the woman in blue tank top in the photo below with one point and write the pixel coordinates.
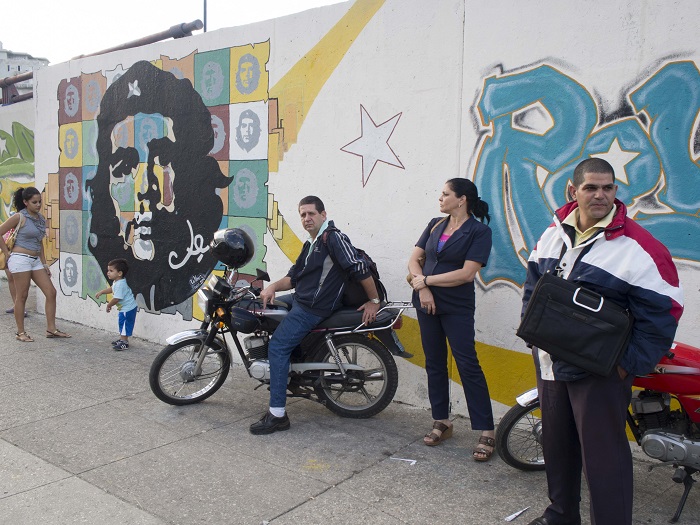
(27, 262)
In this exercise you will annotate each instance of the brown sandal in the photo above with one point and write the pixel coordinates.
(489, 442)
(56, 334)
(24, 337)
(435, 438)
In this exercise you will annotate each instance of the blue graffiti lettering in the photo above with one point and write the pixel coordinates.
(513, 154)
(538, 124)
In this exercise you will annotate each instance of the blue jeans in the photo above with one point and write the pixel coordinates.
(288, 335)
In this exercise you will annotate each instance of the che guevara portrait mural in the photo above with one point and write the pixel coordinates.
(154, 200)
(151, 165)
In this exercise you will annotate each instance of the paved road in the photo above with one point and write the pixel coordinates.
(83, 440)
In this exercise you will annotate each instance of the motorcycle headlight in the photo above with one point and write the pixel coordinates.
(219, 286)
(203, 301)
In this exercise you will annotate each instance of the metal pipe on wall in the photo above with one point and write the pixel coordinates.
(176, 31)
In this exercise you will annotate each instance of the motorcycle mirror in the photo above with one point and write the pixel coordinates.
(262, 275)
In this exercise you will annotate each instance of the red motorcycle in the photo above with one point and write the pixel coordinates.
(664, 417)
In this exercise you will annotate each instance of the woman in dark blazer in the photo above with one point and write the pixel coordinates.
(454, 248)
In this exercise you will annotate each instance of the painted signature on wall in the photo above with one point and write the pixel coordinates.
(196, 248)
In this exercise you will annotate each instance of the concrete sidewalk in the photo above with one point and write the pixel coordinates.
(83, 440)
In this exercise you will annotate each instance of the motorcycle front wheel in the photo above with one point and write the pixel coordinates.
(172, 376)
(363, 393)
(519, 437)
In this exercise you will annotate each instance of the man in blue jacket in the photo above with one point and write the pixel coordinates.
(583, 416)
(318, 280)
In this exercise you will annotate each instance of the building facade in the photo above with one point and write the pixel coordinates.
(15, 63)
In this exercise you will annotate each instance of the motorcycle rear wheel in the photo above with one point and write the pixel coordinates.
(519, 438)
(362, 394)
(172, 376)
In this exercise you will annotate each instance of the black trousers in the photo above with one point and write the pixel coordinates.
(459, 330)
(583, 427)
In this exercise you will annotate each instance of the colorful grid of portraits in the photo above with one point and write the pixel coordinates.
(153, 160)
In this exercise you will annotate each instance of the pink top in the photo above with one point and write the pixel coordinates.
(442, 241)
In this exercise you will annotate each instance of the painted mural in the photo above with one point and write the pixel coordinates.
(16, 162)
(154, 159)
(539, 123)
(154, 149)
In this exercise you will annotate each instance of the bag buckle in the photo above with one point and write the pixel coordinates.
(600, 305)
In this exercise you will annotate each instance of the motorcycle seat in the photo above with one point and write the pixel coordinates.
(256, 305)
(350, 318)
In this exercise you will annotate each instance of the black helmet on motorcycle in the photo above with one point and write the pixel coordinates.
(232, 247)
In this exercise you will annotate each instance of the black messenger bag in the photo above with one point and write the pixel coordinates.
(576, 325)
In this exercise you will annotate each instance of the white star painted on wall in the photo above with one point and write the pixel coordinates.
(618, 159)
(134, 89)
(373, 144)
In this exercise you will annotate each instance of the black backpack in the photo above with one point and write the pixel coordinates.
(354, 294)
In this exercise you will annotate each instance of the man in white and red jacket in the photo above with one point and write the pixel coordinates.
(583, 415)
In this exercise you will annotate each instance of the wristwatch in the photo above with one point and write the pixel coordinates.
(374, 301)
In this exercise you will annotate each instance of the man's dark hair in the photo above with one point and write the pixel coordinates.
(312, 199)
(120, 265)
(592, 165)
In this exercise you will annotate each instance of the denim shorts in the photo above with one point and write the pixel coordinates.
(21, 262)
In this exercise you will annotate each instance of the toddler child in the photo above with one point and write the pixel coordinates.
(123, 297)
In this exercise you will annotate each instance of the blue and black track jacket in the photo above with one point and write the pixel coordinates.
(318, 283)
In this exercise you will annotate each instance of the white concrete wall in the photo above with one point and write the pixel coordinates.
(501, 91)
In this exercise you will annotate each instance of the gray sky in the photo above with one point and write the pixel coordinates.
(62, 29)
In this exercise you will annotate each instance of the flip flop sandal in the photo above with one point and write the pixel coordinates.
(489, 442)
(435, 438)
(56, 334)
(24, 337)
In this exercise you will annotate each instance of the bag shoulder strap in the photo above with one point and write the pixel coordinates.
(13, 232)
(438, 223)
(558, 269)
(324, 235)
(324, 240)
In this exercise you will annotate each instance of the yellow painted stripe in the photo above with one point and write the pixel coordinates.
(508, 373)
(298, 88)
(289, 243)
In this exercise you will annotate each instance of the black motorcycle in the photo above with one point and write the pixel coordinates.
(343, 364)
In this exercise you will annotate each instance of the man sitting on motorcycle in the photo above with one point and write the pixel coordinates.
(318, 279)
